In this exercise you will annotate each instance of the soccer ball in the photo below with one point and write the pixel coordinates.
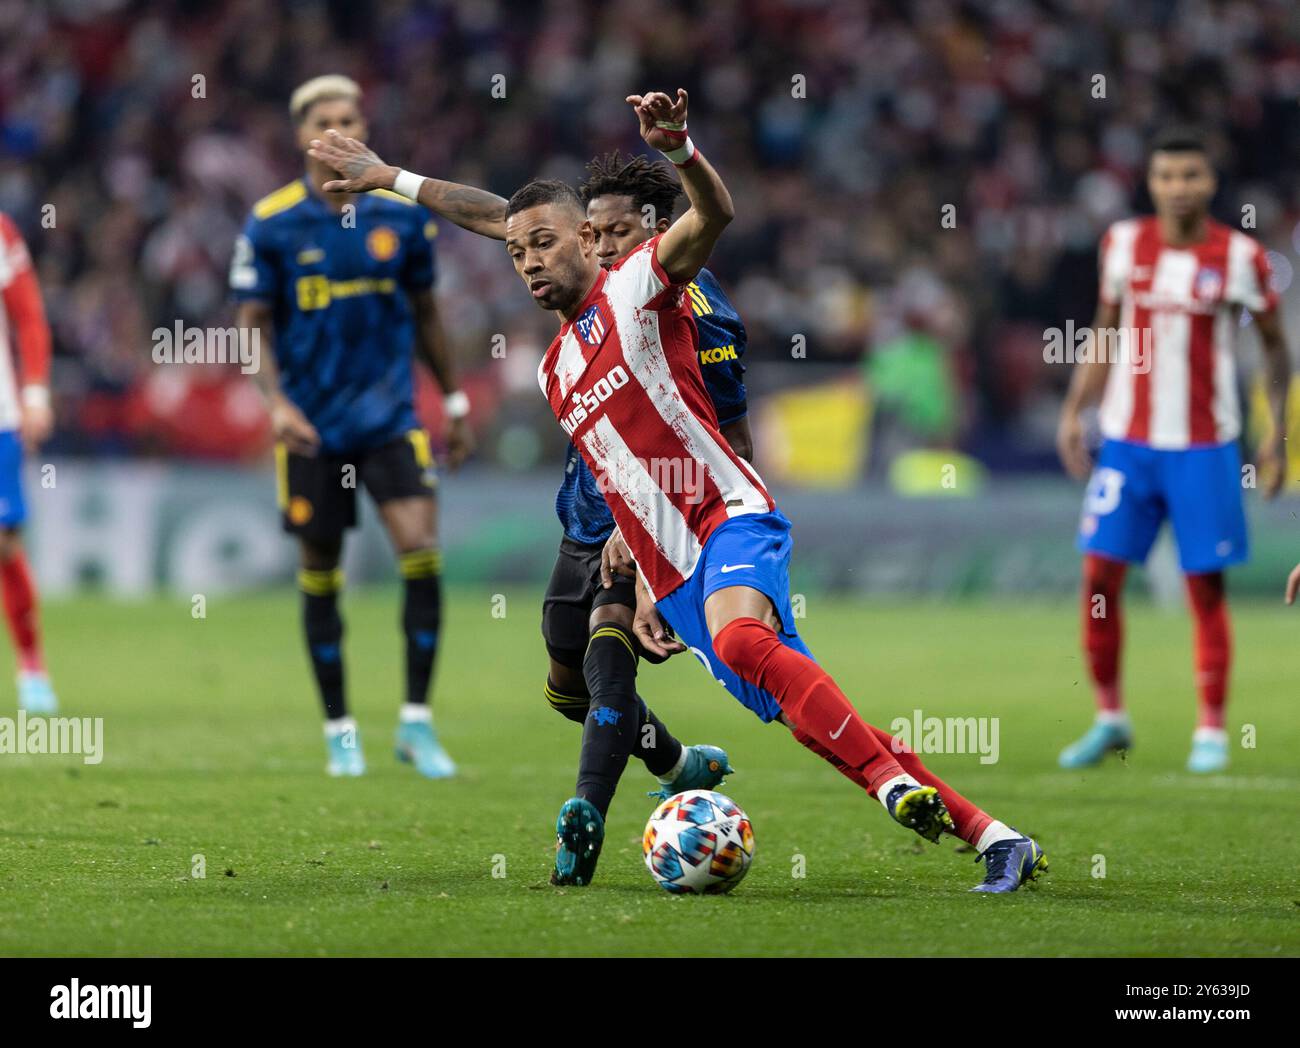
(698, 842)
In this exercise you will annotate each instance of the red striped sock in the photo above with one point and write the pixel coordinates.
(19, 592)
(1213, 641)
(1103, 582)
(808, 697)
(969, 819)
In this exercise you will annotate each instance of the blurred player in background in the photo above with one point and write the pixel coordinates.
(26, 421)
(342, 288)
(1174, 285)
(587, 619)
(623, 380)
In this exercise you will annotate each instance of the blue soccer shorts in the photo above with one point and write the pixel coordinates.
(13, 510)
(1134, 489)
(749, 550)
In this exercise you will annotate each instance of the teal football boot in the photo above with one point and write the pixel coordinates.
(36, 694)
(579, 834)
(1099, 740)
(345, 757)
(417, 744)
(705, 768)
(1209, 751)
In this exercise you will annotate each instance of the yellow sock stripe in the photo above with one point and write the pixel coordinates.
(611, 631)
(320, 583)
(559, 700)
(420, 563)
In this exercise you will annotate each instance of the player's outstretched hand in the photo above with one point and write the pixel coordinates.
(1270, 461)
(1293, 584)
(360, 166)
(616, 559)
(648, 628)
(657, 107)
(1071, 448)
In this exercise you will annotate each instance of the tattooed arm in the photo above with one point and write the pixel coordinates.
(474, 209)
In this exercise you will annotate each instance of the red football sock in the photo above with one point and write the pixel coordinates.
(1103, 582)
(1213, 638)
(20, 609)
(968, 818)
(807, 696)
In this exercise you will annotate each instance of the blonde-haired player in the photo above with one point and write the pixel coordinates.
(345, 298)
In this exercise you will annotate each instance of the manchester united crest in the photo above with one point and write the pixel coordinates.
(382, 243)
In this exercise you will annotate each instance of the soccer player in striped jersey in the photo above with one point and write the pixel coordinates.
(346, 299)
(1174, 287)
(587, 613)
(25, 423)
(711, 550)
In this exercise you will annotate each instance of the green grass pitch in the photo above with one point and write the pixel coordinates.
(213, 749)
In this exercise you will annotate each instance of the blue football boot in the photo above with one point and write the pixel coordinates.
(1011, 863)
(704, 769)
(36, 695)
(345, 757)
(579, 833)
(919, 808)
(417, 744)
(1209, 751)
(1099, 740)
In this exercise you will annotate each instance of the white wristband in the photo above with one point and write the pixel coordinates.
(682, 155)
(456, 405)
(36, 396)
(407, 184)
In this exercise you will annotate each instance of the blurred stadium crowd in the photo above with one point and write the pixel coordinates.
(152, 127)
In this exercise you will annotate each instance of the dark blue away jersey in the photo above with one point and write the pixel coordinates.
(344, 329)
(579, 504)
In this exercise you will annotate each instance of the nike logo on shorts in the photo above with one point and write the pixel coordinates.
(734, 567)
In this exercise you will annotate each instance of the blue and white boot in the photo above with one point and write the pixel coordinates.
(417, 744)
(699, 768)
(36, 694)
(1209, 751)
(343, 743)
(1009, 861)
(1102, 738)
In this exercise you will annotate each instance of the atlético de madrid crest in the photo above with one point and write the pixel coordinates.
(592, 325)
(1209, 283)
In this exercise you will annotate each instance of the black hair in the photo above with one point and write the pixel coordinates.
(1180, 139)
(645, 181)
(543, 191)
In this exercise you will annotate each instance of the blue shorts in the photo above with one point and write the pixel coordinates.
(13, 511)
(1134, 488)
(750, 550)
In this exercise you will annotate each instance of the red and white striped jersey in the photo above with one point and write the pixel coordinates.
(22, 319)
(1176, 386)
(623, 379)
